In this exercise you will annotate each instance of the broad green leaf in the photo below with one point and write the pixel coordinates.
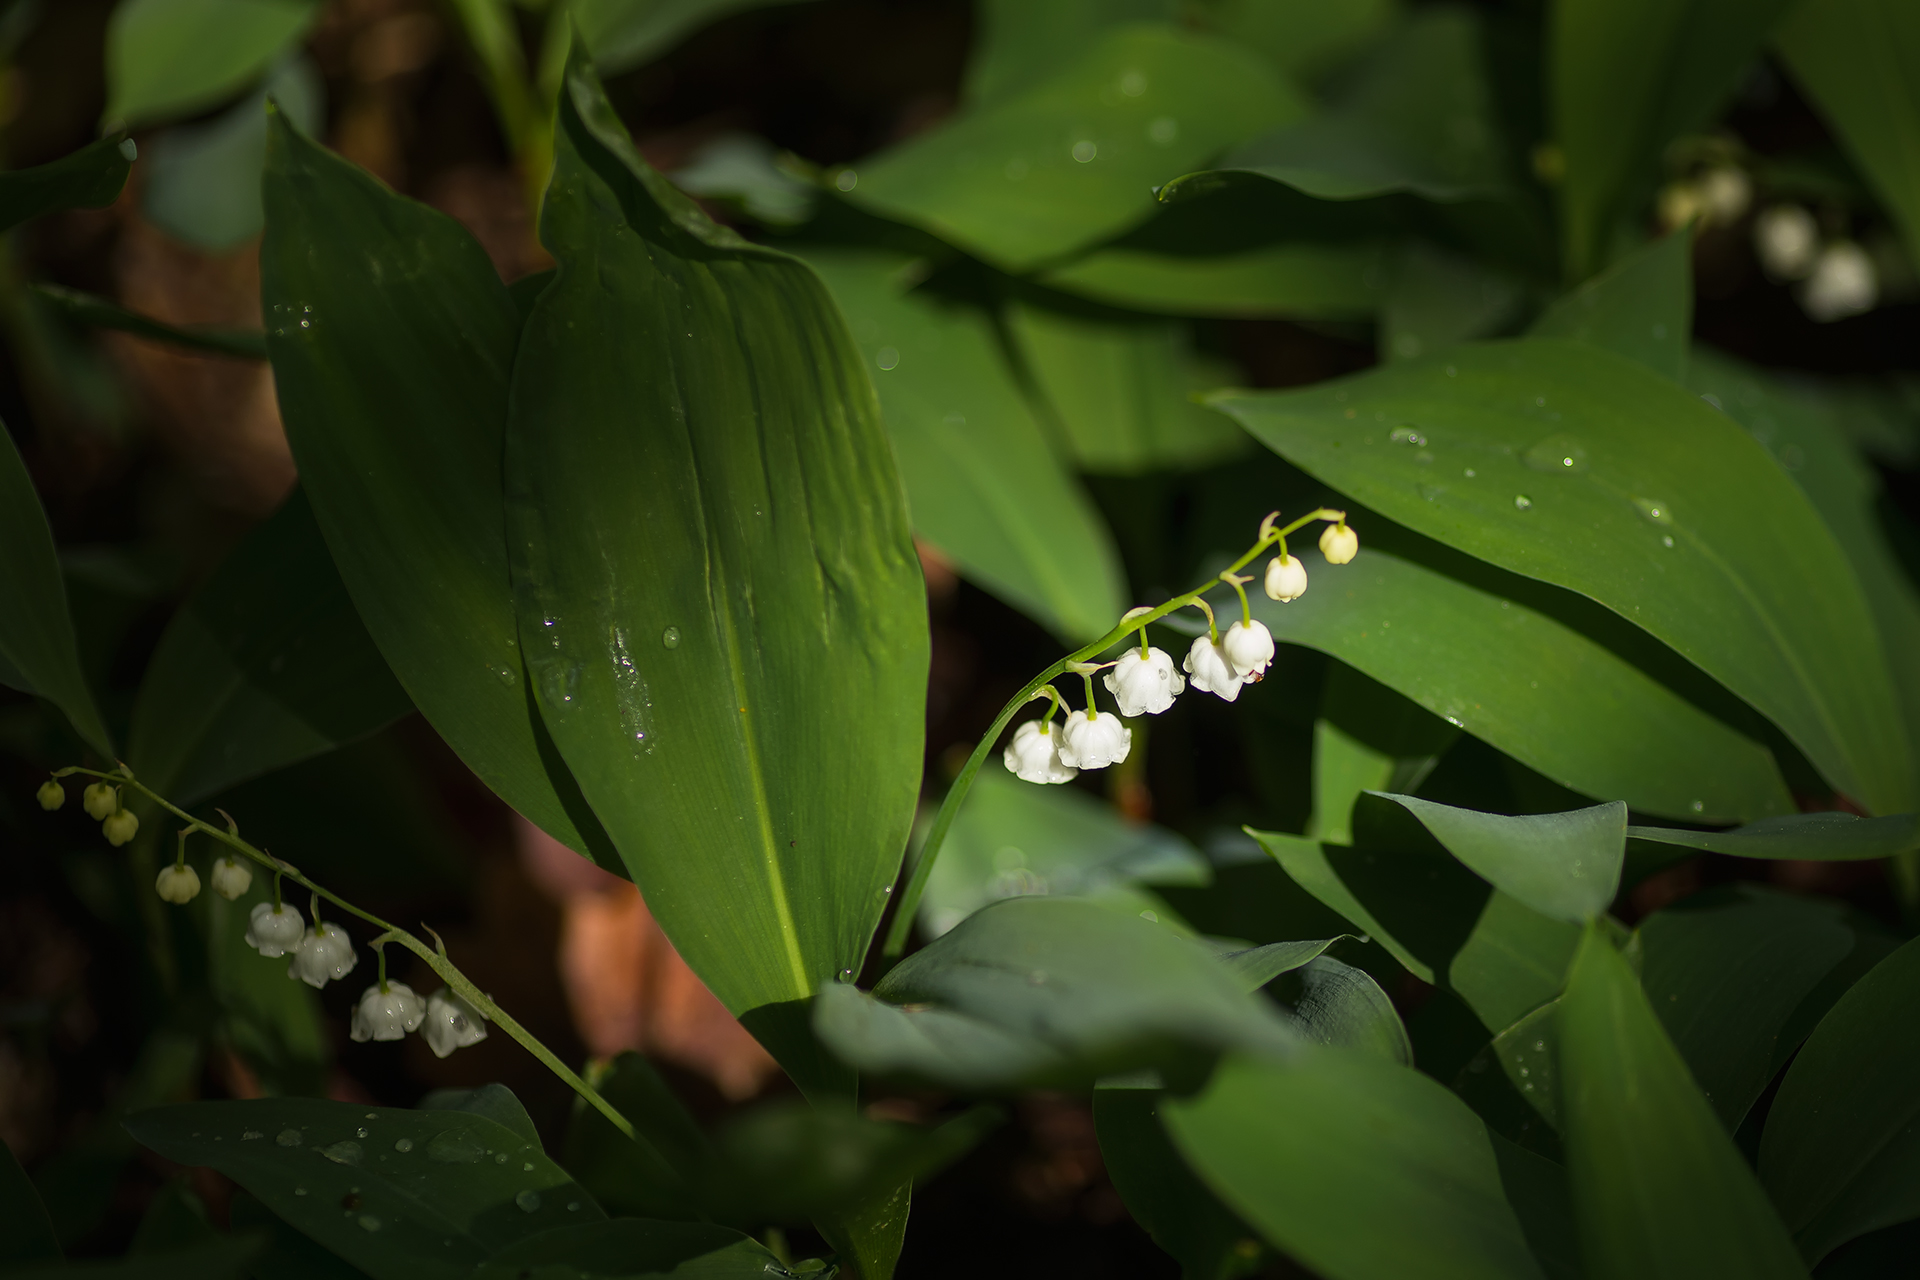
(38, 652)
(1506, 661)
(1568, 464)
(1513, 1083)
(1445, 924)
(1047, 991)
(392, 343)
(1564, 865)
(89, 178)
(634, 1249)
(1301, 38)
(1162, 1194)
(869, 1238)
(173, 58)
(1841, 1150)
(1659, 1189)
(982, 484)
(1624, 79)
(1435, 300)
(1073, 159)
(1123, 390)
(626, 33)
(1418, 117)
(223, 1258)
(266, 665)
(289, 1254)
(1257, 966)
(176, 1218)
(1368, 738)
(1536, 1187)
(97, 313)
(719, 598)
(1013, 838)
(26, 1233)
(1292, 281)
(1356, 1167)
(1810, 837)
(1641, 307)
(652, 1174)
(1725, 970)
(406, 1195)
(1338, 1004)
(496, 1102)
(1017, 45)
(1855, 60)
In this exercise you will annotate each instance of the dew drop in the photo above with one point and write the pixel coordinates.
(1666, 540)
(670, 637)
(251, 1134)
(1133, 83)
(1163, 131)
(528, 1201)
(361, 1132)
(501, 1158)
(1429, 492)
(1085, 150)
(369, 1223)
(573, 1206)
(403, 1145)
(455, 1146)
(1521, 502)
(1038, 978)
(887, 358)
(343, 1152)
(1558, 456)
(1407, 435)
(527, 1167)
(1654, 510)
(288, 1138)
(1699, 806)
(846, 180)
(1471, 473)
(299, 1191)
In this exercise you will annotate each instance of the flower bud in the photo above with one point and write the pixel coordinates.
(100, 800)
(1144, 686)
(1249, 647)
(324, 953)
(1844, 283)
(451, 1023)
(51, 795)
(1087, 742)
(1207, 664)
(274, 931)
(1286, 578)
(178, 884)
(1338, 544)
(1034, 755)
(231, 877)
(387, 1015)
(1787, 239)
(1726, 192)
(120, 827)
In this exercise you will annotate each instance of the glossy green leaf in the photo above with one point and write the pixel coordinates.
(1047, 991)
(495, 1102)
(1591, 472)
(1725, 970)
(1368, 738)
(1338, 1004)
(1324, 1152)
(1508, 661)
(1436, 299)
(89, 178)
(1013, 838)
(1290, 281)
(265, 666)
(982, 484)
(392, 343)
(1257, 966)
(1811, 837)
(399, 1194)
(633, 1249)
(289, 1255)
(26, 1233)
(1017, 45)
(1841, 1150)
(38, 652)
(1641, 307)
(1623, 80)
(1123, 389)
(97, 313)
(1658, 1187)
(1074, 158)
(1566, 866)
(1162, 1194)
(1308, 40)
(721, 606)
(1854, 59)
(651, 1175)
(1418, 117)
(173, 58)
(223, 1258)
(1513, 1083)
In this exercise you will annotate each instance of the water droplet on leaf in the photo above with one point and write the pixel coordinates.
(288, 1138)
(403, 1145)
(343, 1152)
(529, 1201)
(1557, 456)
(1521, 502)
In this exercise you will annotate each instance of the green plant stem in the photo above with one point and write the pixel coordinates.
(437, 961)
(896, 942)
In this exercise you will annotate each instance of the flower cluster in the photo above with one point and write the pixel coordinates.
(101, 800)
(1143, 680)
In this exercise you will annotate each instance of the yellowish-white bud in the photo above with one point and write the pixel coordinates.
(51, 795)
(1339, 544)
(231, 878)
(177, 884)
(119, 828)
(100, 800)
(1286, 578)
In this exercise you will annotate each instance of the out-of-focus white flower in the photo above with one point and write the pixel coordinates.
(231, 878)
(1145, 685)
(1338, 544)
(1286, 578)
(120, 827)
(1844, 283)
(1034, 755)
(1249, 647)
(1679, 204)
(100, 800)
(179, 884)
(1207, 664)
(324, 953)
(1726, 192)
(51, 795)
(452, 1023)
(389, 1014)
(1090, 741)
(274, 931)
(1787, 240)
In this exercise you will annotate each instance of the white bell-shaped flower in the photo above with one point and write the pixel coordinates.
(231, 878)
(323, 954)
(1787, 239)
(274, 931)
(1844, 283)
(1338, 544)
(51, 795)
(99, 800)
(451, 1023)
(1211, 672)
(1034, 755)
(1145, 686)
(1092, 741)
(1287, 577)
(1249, 647)
(178, 884)
(120, 827)
(389, 1014)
